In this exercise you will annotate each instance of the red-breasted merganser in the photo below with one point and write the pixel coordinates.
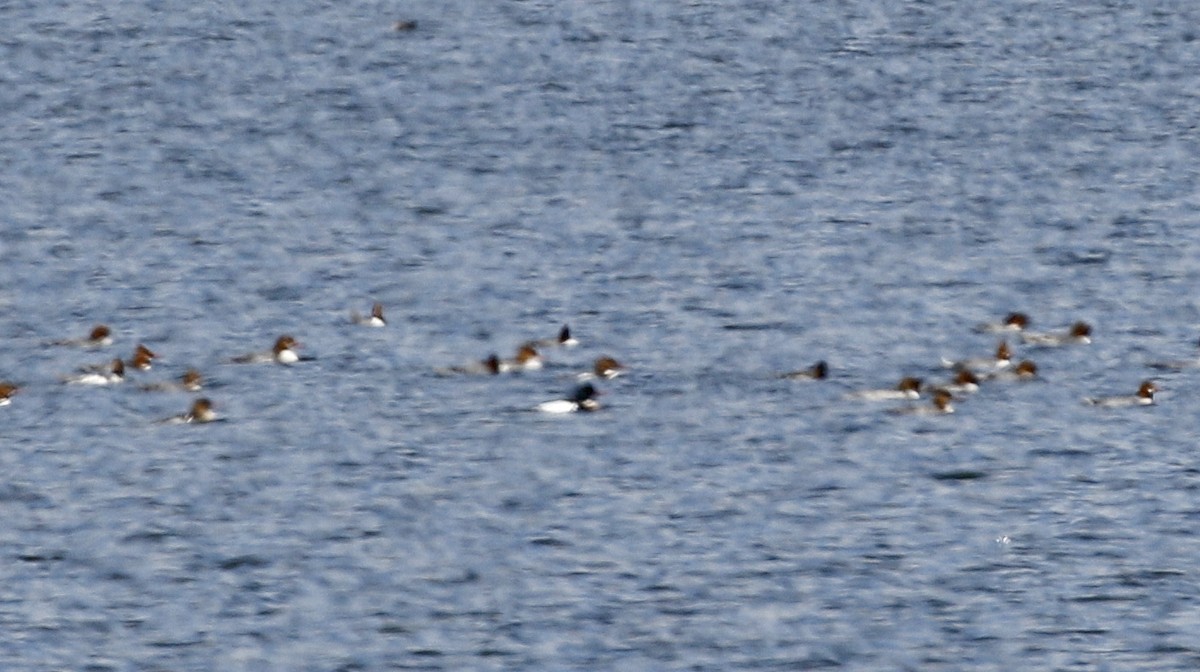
(488, 367)
(201, 412)
(1079, 333)
(604, 367)
(907, 388)
(112, 374)
(1144, 397)
(818, 371)
(939, 405)
(965, 382)
(142, 358)
(1024, 370)
(7, 390)
(375, 319)
(284, 352)
(1002, 359)
(526, 359)
(1176, 365)
(190, 381)
(1013, 322)
(99, 337)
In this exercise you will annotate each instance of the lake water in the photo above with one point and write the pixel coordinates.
(713, 193)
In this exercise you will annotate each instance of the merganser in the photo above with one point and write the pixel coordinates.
(940, 404)
(563, 340)
(604, 367)
(142, 357)
(1012, 322)
(582, 399)
(1002, 359)
(1024, 370)
(201, 412)
(1144, 397)
(965, 382)
(190, 381)
(1176, 365)
(817, 371)
(100, 336)
(489, 367)
(284, 352)
(907, 388)
(608, 368)
(375, 319)
(526, 359)
(1079, 333)
(7, 390)
(112, 374)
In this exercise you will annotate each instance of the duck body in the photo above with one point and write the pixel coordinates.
(940, 404)
(1001, 359)
(818, 371)
(110, 375)
(375, 319)
(1012, 323)
(907, 389)
(200, 412)
(283, 352)
(1143, 397)
(583, 398)
(1079, 333)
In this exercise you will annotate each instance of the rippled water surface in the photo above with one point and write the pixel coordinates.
(713, 193)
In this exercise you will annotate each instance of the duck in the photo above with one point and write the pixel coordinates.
(940, 404)
(604, 367)
(965, 382)
(100, 336)
(7, 390)
(526, 359)
(1143, 397)
(907, 388)
(1013, 322)
(1079, 333)
(489, 366)
(200, 412)
(1000, 360)
(190, 381)
(284, 352)
(1024, 370)
(141, 359)
(375, 319)
(563, 340)
(818, 371)
(110, 375)
(583, 398)
(1176, 365)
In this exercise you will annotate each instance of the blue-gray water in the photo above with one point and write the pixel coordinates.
(711, 192)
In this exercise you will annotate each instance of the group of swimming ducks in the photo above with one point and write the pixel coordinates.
(529, 358)
(969, 374)
(285, 352)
